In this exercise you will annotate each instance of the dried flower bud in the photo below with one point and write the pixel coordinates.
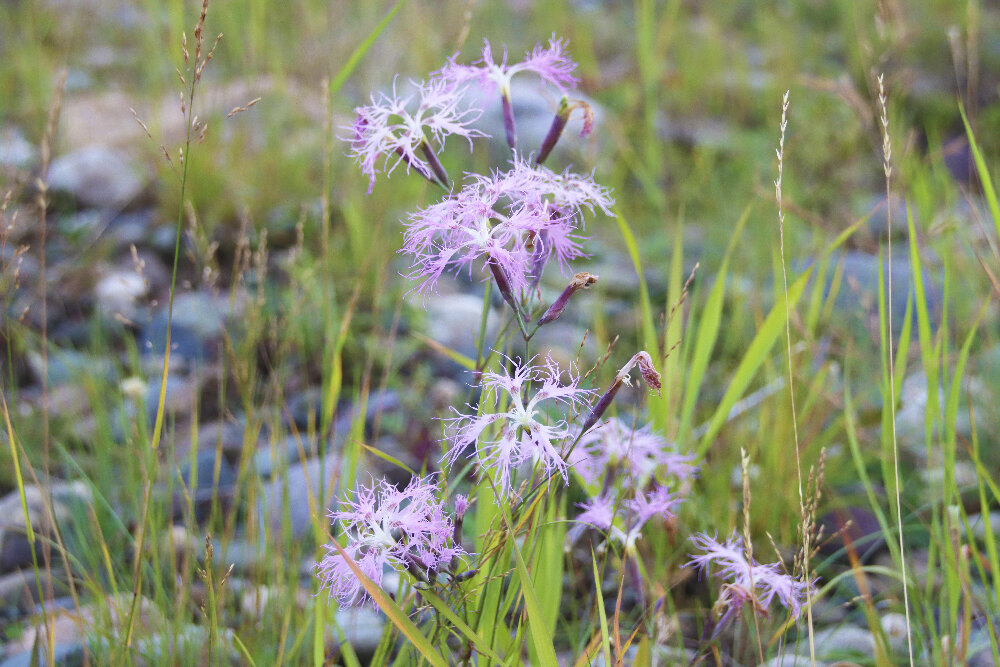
(649, 374)
(580, 281)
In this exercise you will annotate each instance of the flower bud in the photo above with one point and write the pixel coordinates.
(503, 282)
(649, 375)
(580, 281)
(563, 113)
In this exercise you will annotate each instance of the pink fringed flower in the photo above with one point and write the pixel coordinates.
(515, 220)
(551, 64)
(525, 432)
(747, 580)
(390, 130)
(638, 453)
(404, 530)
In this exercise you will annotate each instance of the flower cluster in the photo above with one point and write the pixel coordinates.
(386, 527)
(523, 433)
(637, 468)
(748, 581)
(512, 222)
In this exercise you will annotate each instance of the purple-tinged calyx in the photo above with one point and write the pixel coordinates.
(580, 281)
(649, 375)
(559, 121)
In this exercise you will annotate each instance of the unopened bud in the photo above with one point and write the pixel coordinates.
(503, 282)
(580, 281)
(563, 113)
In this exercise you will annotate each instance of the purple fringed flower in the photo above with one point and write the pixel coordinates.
(512, 222)
(623, 521)
(550, 63)
(405, 529)
(638, 452)
(388, 129)
(524, 434)
(747, 580)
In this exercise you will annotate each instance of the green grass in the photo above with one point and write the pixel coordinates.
(691, 98)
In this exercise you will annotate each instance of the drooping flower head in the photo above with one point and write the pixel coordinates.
(404, 530)
(394, 129)
(515, 220)
(529, 430)
(747, 580)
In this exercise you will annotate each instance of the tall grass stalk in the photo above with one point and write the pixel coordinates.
(887, 169)
(806, 541)
(193, 69)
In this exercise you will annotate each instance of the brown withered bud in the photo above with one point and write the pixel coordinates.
(580, 281)
(649, 375)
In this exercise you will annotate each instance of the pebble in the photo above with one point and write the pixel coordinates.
(118, 294)
(453, 321)
(96, 177)
(14, 549)
(16, 152)
(298, 482)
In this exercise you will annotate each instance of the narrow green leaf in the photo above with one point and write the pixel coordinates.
(395, 614)
(540, 636)
(707, 333)
(648, 328)
(478, 642)
(770, 331)
(983, 170)
(348, 67)
(601, 614)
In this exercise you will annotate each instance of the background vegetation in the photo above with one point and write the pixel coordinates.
(319, 337)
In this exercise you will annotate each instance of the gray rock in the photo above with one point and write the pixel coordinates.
(857, 295)
(16, 152)
(118, 294)
(198, 321)
(15, 551)
(453, 321)
(362, 629)
(285, 498)
(95, 176)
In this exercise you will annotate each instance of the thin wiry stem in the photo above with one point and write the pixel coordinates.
(791, 375)
(887, 168)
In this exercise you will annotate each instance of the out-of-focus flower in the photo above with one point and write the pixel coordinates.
(550, 63)
(747, 580)
(404, 530)
(390, 130)
(510, 221)
(637, 454)
(623, 521)
(526, 432)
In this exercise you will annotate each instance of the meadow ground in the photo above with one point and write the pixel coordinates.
(210, 337)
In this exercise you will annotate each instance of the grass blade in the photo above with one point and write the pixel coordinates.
(395, 614)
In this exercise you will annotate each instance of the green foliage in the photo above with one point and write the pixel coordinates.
(690, 96)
